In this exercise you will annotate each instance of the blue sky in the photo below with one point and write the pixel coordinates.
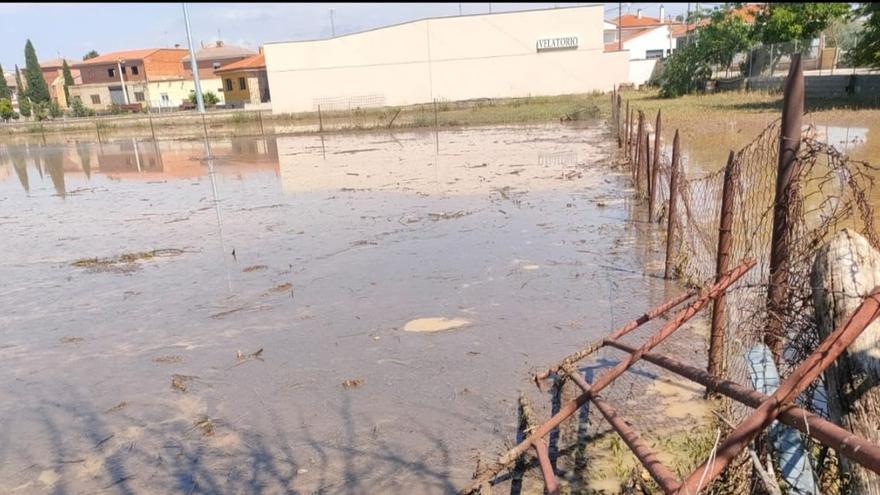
(73, 29)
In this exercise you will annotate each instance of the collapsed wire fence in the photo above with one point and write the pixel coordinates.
(771, 208)
(827, 192)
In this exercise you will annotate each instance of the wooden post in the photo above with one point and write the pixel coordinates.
(320, 120)
(654, 166)
(97, 130)
(845, 270)
(646, 151)
(617, 122)
(673, 200)
(152, 129)
(640, 137)
(260, 115)
(786, 189)
(627, 132)
(436, 130)
(722, 261)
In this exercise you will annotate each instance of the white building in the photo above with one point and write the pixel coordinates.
(647, 39)
(510, 54)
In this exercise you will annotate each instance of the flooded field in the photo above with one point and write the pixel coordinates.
(337, 314)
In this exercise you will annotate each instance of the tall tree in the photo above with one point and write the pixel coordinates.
(91, 54)
(37, 89)
(784, 22)
(24, 106)
(5, 92)
(68, 81)
(726, 35)
(867, 49)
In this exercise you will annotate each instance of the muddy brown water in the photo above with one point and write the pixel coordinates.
(524, 232)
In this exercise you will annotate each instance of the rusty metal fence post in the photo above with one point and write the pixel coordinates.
(654, 166)
(717, 333)
(640, 150)
(786, 189)
(673, 199)
(627, 132)
(617, 122)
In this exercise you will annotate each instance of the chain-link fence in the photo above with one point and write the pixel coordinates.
(829, 192)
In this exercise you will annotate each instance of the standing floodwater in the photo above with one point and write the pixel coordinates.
(158, 338)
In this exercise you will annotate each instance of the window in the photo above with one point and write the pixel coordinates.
(96, 99)
(242, 83)
(77, 98)
(649, 54)
(164, 98)
(138, 96)
(134, 70)
(123, 69)
(229, 85)
(111, 72)
(216, 65)
(610, 36)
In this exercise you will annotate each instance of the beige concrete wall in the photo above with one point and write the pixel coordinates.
(454, 58)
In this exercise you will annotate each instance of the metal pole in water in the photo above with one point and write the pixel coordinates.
(673, 199)
(200, 102)
(722, 262)
(788, 169)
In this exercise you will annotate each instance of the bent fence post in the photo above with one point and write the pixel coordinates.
(673, 200)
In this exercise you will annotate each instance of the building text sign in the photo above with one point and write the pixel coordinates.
(563, 43)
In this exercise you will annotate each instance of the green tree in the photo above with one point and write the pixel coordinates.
(784, 22)
(68, 81)
(91, 54)
(37, 89)
(866, 51)
(54, 109)
(77, 109)
(6, 111)
(726, 35)
(209, 97)
(24, 106)
(40, 110)
(5, 91)
(686, 70)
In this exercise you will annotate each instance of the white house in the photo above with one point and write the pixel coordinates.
(498, 55)
(647, 39)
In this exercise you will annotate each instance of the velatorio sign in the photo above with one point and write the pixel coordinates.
(563, 43)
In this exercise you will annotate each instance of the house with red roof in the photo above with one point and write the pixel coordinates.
(245, 82)
(121, 78)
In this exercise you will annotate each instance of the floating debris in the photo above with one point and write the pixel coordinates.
(254, 268)
(447, 216)
(242, 357)
(434, 324)
(169, 359)
(71, 340)
(282, 287)
(205, 424)
(352, 383)
(117, 407)
(181, 382)
(125, 262)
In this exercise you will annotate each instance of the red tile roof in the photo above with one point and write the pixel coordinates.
(127, 55)
(256, 62)
(632, 20)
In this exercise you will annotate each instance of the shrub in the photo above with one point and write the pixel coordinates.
(54, 109)
(6, 111)
(683, 72)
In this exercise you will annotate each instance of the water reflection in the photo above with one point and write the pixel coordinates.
(135, 159)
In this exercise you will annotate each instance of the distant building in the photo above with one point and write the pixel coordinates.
(647, 39)
(245, 82)
(122, 77)
(213, 57)
(498, 55)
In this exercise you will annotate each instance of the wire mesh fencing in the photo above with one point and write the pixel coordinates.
(829, 192)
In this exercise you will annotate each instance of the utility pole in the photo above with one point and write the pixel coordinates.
(200, 102)
(619, 37)
(490, 7)
(459, 8)
(332, 25)
(119, 63)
